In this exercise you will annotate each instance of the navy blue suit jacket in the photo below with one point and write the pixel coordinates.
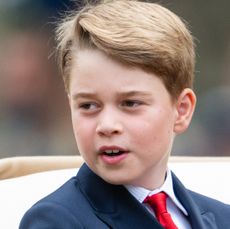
(87, 201)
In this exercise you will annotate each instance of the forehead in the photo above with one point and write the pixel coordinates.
(95, 65)
(88, 58)
(93, 72)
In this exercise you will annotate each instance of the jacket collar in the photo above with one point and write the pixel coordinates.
(198, 217)
(113, 204)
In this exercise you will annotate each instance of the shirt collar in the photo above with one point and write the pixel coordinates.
(141, 193)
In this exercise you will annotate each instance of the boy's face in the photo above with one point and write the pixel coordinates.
(123, 120)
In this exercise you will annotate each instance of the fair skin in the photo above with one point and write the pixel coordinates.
(127, 112)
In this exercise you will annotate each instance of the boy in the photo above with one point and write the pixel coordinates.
(128, 70)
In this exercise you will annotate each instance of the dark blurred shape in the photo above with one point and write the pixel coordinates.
(214, 109)
(27, 72)
(22, 13)
(34, 111)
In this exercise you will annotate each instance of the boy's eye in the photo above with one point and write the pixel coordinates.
(131, 103)
(88, 106)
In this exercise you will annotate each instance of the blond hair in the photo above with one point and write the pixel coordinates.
(138, 34)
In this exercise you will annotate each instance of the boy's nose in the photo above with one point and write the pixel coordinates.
(108, 125)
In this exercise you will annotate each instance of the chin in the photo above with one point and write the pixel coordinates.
(116, 180)
(113, 176)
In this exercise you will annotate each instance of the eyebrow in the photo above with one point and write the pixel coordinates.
(83, 95)
(119, 94)
(134, 93)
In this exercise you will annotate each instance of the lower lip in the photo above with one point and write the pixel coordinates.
(112, 160)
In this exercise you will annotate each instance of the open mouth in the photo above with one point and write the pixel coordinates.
(113, 153)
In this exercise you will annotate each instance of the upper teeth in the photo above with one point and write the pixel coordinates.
(112, 151)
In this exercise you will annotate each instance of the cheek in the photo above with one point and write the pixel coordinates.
(82, 130)
(151, 131)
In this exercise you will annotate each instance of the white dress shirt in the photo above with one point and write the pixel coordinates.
(174, 207)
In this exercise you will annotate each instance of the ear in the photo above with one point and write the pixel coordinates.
(185, 107)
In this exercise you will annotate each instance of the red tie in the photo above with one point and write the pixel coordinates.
(158, 204)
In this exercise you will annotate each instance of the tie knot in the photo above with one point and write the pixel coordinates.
(157, 202)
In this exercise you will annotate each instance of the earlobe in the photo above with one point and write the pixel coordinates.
(185, 108)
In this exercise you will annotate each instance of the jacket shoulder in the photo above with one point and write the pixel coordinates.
(43, 215)
(207, 203)
(64, 208)
(54, 210)
(217, 210)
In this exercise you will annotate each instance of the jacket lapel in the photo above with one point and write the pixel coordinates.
(117, 208)
(113, 204)
(198, 217)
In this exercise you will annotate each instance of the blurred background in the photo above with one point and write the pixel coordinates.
(34, 114)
